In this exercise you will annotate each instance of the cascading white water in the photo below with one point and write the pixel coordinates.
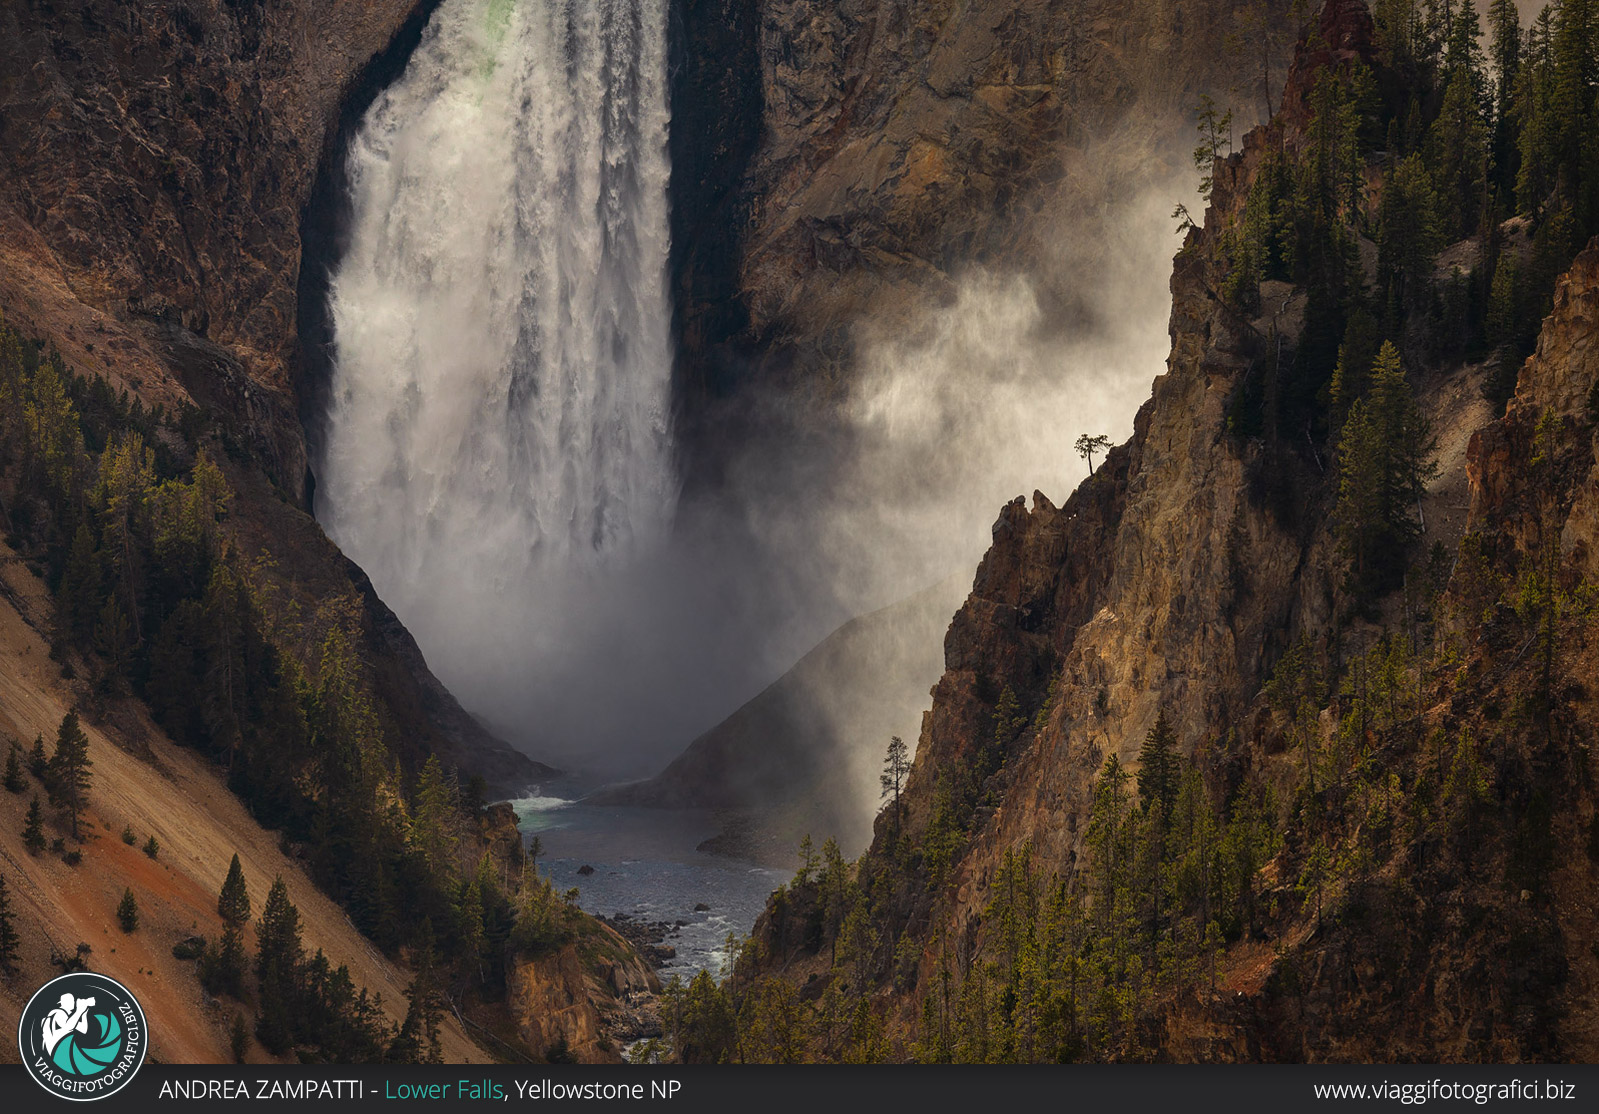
(499, 420)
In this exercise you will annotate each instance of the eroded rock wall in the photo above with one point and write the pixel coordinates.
(899, 143)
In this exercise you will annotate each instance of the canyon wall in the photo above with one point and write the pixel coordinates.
(839, 161)
(155, 161)
(1174, 581)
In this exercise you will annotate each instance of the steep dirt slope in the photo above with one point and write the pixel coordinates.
(142, 781)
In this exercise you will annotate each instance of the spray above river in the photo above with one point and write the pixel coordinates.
(499, 425)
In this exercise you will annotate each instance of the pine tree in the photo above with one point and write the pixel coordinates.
(1352, 375)
(1215, 142)
(469, 925)
(231, 962)
(33, 831)
(1504, 26)
(1410, 233)
(238, 1038)
(1464, 53)
(69, 768)
(1384, 466)
(1158, 767)
(1087, 446)
(1407, 439)
(78, 600)
(278, 967)
(1457, 152)
(38, 764)
(152, 846)
(808, 861)
(9, 942)
(223, 966)
(233, 903)
(1359, 510)
(432, 832)
(113, 636)
(895, 767)
(417, 1041)
(1538, 141)
(14, 781)
(1398, 29)
(128, 911)
(123, 497)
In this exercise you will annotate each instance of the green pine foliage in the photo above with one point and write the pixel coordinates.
(417, 1039)
(278, 968)
(1067, 965)
(1158, 767)
(224, 966)
(238, 1038)
(68, 777)
(1451, 131)
(307, 1003)
(33, 828)
(128, 911)
(14, 781)
(1384, 464)
(10, 942)
(896, 767)
(233, 903)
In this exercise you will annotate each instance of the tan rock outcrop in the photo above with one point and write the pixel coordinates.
(584, 999)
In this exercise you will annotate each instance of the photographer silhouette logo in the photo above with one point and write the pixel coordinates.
(82, 1036)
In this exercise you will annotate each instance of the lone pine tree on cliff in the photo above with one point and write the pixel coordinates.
(1087, 446)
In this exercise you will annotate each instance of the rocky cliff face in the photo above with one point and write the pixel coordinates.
(585, 1000)
(895, 144)
(1559, 385)
(158, 157)
(1174, 579)
(1162, 583)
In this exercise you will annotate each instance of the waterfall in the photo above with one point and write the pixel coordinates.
(498, 421)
